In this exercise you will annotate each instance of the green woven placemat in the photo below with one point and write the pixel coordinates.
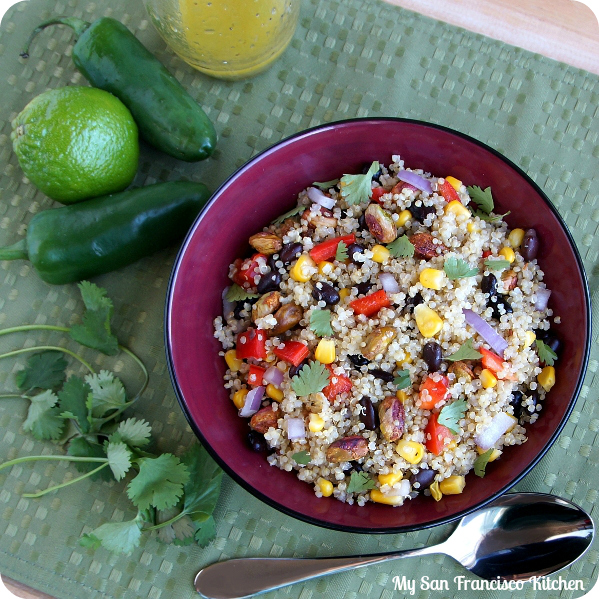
(348, 59)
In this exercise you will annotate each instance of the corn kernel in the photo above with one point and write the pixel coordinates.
(471, 227)
(404, 217)
(429, 323)
(507, 254)
(436, 491)
(455, 183)
(401, 395)
(432, 278)
(325, 486)
(316, 423)
(273, 392)
(456, 207)
(452, 485)
(391, 478)
(547, 378)
(303, 269)
(529, 338)
(516, 237)
(378, 497)
(239, 398)
(325, 351)
(380, 254)
(410, 451)
(344, 292)
(233, 362)
(487, 378)
(407, 360)
(494, 454)
(452, 445)
(325, 268)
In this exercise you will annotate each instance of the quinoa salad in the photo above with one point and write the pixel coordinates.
(388, 335)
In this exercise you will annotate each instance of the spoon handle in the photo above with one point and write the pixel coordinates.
(237, 578)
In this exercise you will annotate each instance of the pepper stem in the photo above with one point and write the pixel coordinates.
(16, 251)
(77, 25)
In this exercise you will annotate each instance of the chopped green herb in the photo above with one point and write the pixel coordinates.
(45, 370)
(357, 189)
(320, 323)
(402, 247)
(293, 212)
(451, 414)
(490, 218)
(480, 464)
(402, 380)
(302, 457)
(326, 184)
(134, 432)
(312, 378)
(73, 402)
(341, 253)
(360, 482)
(482, 198)
(465, 352)
(119, 458)
(43, 417)
(546, 354)
(236, 293)
(456, 268)
(497, 264)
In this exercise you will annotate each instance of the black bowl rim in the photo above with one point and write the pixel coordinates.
(360, 529)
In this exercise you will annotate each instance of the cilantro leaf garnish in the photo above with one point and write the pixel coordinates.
(326, 184)
(73, 402)
(43, 418)
(451, 414)
(465, 352)
(356, 189)
(136, 433)
(402, 247)
(108, 393)
(119, 458)
(320, 323)
(341, 253)
(546, 354)
(312, 378)
(120, 537)
(456, 268)
(359, 482)
(45, 370)
(402, 380)
(293, 212)
(497, 264)
(490, 218)
(302, 457)
(482, 198)
(236, 293)
(480, 464)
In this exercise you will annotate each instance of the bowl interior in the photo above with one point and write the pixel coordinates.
(267, 187)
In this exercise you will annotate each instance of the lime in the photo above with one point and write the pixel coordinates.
(75, 143)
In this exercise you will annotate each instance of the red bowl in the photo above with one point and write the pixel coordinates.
(266, 187)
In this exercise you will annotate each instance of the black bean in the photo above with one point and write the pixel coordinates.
(530, 245)
(358, 360)
(326, 293)
(413, 301)
(516, 403)
(293, 370)
(240, 305)
(382, 375)
(554, 343)
(257, 442)
(420, 213)
(368, 414)
(353, 249)
(271, 262)
(364, 288)
(362, 222)
(489, 284)
(425, 478)
(432, 354)
(269, 281)
(290, 251)
(352, 467)
(496, 302)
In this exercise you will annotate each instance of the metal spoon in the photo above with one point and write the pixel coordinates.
(516, 537)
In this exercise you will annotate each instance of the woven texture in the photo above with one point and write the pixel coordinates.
(347, 59)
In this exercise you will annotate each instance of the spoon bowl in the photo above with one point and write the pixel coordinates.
(515, 538)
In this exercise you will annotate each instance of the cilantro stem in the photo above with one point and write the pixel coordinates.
(34, 327)
(77, 357)
(167, 522)
(49, 458)
(70, 482)
(12, 395)
(138, 361)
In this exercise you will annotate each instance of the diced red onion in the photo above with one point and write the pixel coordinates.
(489, 436)
(542, 299)
(273, 375)
(319, 197)
(252, 402)
(296, 429)
(486, 331)
(228, 306)
(415, 180)
(388, 282)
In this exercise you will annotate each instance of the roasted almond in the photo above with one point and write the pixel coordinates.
(264, 419)
(319, 217)
(267, 304)
(287, 317)
(266, 243)
(425, 246)
(392, 417)
(347, 449)
(509, 280)
(378, 341)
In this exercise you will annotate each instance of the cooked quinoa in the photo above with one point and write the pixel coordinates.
(378, 426)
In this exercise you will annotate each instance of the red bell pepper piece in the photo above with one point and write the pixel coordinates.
(327, 249)
(436, 436)
(486, 254)
(436, 391)
(251, 344)
(294, 352)
(398, 187)
(255, 375)
(448, 192)
(370, 304)
(338, 383)
(246, 271)
(377, 193)
(494, 363)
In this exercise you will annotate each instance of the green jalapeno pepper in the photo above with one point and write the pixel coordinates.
(113, 59)
(90, 238)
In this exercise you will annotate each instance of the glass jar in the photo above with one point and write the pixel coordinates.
(228, 39)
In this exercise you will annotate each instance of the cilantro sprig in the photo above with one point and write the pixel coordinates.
(312, 378)
(293, 212)
(357, 189)
(402, 380)
(485, 204)
(302, 457)
(320, 323)
(402, 247)
(341, 252)
(546, 354)
(497, 264)
(480, 464)
(325, 184)
(360, 482)
(236, 293)
(451, 414)
(457, 268)
(465, 352)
